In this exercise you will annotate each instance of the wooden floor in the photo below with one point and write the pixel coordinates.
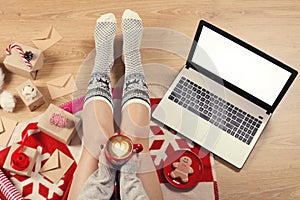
(273, 169)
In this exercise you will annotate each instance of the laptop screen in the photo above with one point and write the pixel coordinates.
(239, 66)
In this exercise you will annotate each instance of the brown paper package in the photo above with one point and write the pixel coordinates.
(65, 134)
(15, 63)
(34, 103)
(30, 152)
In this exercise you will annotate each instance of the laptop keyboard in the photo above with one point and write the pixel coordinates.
(215, 110)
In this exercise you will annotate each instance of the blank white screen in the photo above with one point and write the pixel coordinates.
(239, 66)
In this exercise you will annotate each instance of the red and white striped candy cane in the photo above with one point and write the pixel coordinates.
(20, 51)
(7, 188)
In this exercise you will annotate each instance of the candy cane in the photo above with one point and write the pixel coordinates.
(8, 189)
(19, 49)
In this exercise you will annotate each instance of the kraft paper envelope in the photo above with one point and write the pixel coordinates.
(61, 86)
(7, 127)
(56, 166)
(46, 38)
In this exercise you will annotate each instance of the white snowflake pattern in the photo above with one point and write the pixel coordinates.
(168, 138)
(37, 179)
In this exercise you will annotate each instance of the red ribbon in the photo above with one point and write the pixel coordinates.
(19, 160)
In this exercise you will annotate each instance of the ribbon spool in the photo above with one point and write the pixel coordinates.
(19, 161)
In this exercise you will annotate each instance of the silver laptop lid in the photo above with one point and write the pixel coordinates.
(239, 66)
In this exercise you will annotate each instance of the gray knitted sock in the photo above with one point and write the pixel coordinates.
(99, 87)
(135, 87)
(100, 185)
(131, 186)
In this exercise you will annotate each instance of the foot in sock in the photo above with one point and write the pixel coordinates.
(99, 87)
(135, 88)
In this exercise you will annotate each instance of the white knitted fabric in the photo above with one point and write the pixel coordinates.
(135, 86)
(131, 186)
(100, 185)
(99, 87)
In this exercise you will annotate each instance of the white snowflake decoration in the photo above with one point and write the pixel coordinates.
(37, 179)
(168, 138)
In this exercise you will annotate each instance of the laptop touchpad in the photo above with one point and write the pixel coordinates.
(211, 138)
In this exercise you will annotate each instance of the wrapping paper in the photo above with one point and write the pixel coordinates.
(7, 188)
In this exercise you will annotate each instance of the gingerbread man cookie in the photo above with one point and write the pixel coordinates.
(182, 169)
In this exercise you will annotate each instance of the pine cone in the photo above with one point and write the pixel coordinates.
(28, 55)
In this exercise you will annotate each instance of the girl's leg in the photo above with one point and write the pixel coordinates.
(135, 124)
(97, 113)
(135, 102)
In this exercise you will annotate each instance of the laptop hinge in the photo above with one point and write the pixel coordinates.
(188, 65)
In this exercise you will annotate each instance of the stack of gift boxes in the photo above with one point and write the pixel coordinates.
(57, 123)
(21, 158)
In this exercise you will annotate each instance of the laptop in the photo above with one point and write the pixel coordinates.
(225, 94)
